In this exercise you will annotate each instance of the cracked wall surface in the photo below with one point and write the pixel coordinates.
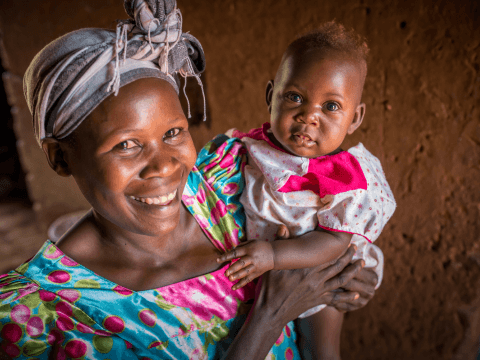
(422, 121)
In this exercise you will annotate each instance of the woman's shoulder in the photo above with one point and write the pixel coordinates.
(219, 169)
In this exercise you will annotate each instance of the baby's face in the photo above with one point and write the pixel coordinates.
(315, 102)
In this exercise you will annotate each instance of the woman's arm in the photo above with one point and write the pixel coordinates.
(282, 295)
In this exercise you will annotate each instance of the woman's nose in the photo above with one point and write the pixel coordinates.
(160, 164)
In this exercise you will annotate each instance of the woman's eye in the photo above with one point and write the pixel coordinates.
(126, 145)
(294, 97)
(332, 106)
(172, 133)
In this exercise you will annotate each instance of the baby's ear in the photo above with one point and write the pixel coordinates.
(357, 118)
(56, 157)
(269, 95)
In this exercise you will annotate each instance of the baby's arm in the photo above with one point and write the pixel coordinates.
(257, 257)
(319, 334)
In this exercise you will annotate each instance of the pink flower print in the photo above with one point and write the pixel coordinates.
(346, 224)
(215, 216)
(202, 221)
(204, 299)
(188, 200)
(375, 200)
(222, 209)
(369, 208)
(231, 239)
(378, 212)
(230, 189)
(356, 215)
(336, 215)
(326, 217)
(376, 184)
(226, 161)
(360, 206)
(201, 195)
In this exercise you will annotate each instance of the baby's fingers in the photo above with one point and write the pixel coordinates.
(230, 255)
(245, 276)
(237, 266)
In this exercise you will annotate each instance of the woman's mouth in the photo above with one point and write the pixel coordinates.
(157, 200)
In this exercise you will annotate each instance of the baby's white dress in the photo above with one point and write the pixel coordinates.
(345, 192)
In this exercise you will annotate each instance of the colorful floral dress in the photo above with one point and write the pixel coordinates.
(54, 308)
(345, 192)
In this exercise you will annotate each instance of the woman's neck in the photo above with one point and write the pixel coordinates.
(141, 262)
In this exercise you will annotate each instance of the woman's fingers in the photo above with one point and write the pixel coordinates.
(368, 276)
(365, 290)
(343, 277)
(335, 298)
(238, 268)
(230, 255)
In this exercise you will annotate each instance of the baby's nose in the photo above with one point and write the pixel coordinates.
(312, 117)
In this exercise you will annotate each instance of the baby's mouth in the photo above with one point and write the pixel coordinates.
(303, 139)
(157, 200)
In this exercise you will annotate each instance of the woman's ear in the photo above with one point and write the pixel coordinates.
(269, 95)
(56, 157)
(357, 119)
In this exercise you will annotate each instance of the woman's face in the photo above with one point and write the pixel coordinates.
(132, 157)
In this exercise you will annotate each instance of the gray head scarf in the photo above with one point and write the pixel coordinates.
(73, 74)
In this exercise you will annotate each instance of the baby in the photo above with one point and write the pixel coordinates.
(298, 175)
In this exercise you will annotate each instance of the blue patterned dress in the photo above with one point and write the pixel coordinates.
(53, 307)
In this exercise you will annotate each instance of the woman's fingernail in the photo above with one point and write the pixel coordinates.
(356, 296)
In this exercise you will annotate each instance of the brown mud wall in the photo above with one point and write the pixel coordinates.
(422, 121)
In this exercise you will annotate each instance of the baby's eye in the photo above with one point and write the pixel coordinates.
(172, 133)
(126, 145)
(331, 106)
(294, 97)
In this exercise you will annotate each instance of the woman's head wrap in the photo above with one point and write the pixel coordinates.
(76, 72)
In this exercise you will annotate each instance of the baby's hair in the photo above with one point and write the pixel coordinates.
(333, 36)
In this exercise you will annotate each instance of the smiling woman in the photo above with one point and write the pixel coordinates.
(137, 276)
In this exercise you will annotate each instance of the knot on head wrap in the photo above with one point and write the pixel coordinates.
(73, 74)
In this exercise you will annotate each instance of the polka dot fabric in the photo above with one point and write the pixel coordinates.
(344, 192)
(53, 307)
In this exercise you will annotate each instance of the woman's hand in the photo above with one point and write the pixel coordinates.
(289, 293)
(282, 295)
(364, 284)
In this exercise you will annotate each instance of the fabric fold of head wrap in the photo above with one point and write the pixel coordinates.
(73, 74)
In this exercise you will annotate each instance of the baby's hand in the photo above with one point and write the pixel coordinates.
(255, 258)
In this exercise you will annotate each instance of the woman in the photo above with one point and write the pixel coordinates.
(137, 276)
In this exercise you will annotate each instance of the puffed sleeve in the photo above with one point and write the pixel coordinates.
(39, 324)
(362, 211)
(214, 187)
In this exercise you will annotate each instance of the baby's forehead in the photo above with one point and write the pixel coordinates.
(302, 61)
(304, 56)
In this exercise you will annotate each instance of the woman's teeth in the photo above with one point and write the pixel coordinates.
(158, 200)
